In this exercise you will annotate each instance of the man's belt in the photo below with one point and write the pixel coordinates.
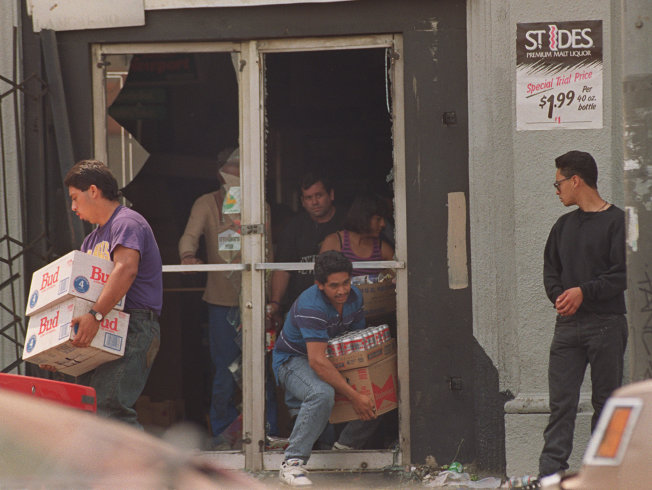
(149, 314)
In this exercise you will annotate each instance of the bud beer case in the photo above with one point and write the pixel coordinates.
(364, 358)
(49, 334)
(76, 274)
(378, 381)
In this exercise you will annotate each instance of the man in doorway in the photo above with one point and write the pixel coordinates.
(584, 275)
(126, 238)
(325, 310)
(301, 240)
(216, 216)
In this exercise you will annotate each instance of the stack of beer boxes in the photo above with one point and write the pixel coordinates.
(60, 291)
(373, 372)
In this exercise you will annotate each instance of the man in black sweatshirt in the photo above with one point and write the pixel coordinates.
(584, 276)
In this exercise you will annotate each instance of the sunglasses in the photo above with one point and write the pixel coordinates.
(557, 183)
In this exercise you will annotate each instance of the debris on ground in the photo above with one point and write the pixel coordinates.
(450, 476)
(526, 482)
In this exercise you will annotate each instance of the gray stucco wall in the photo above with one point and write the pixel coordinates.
(513, 205)
(11, 296)
(637, 135)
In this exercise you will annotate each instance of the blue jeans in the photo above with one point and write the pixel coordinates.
(317, 398)
(271, 409)
(222, 324)
(326, 439)
(119, 383)
(588, 338)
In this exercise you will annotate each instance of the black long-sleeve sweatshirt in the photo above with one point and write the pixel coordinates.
(588, 250)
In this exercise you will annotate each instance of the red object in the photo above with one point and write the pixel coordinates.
(70, 394)
(336, 347)
(386, 392)
(233, 433)
(271, 329)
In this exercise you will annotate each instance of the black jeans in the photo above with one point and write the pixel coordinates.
(587, 338)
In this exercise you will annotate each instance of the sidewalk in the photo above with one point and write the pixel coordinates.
(392, 478)
(344, 479)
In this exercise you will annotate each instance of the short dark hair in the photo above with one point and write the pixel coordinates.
(578, 163)
(85, 173)
(331, 262)
(363, 208)
(311, 178)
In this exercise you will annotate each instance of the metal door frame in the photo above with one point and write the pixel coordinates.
(251, 121)
(252, 245)
(364, 459)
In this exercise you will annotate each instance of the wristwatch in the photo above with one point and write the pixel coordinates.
(98, 316)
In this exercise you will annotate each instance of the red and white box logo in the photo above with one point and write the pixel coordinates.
(76, 274)
(50, 333)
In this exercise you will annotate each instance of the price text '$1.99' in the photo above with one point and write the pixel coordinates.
(560, 99)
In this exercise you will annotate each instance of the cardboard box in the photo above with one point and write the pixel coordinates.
(49, 333)
(364, 358)
(76, 274)
(378, 380)
(379, 298)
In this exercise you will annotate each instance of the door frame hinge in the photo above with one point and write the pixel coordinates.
(257, 229)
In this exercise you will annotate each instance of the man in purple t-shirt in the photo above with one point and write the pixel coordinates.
(124, 237)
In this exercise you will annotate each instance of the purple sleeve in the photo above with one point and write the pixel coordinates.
(85, 246)
(127, 232)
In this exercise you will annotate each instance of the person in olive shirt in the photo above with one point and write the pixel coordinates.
(584, 276)
(301, 240)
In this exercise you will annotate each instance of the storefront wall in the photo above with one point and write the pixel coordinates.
(440, 412)
(513, 206)
(465, 360)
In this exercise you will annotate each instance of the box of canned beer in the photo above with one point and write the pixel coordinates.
(378, 381)
(359, 348)
(49, 338)
(362, 358)
(76, 274)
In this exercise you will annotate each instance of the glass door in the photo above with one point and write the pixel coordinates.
(168, 124)
(333, 156)
(209, 142)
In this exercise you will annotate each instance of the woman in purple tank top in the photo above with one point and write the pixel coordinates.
(360, 240)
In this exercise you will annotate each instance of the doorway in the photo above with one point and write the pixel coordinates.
(289, 107)
(328, 116)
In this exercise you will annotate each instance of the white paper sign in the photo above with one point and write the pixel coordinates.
(559, 75)
(228, 240)
(231, 204)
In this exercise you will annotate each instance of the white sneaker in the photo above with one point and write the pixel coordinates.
(293, 473)
(342, 447)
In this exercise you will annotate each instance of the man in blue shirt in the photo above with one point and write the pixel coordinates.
(325, 310)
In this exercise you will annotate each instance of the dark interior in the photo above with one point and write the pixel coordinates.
(325, 110)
